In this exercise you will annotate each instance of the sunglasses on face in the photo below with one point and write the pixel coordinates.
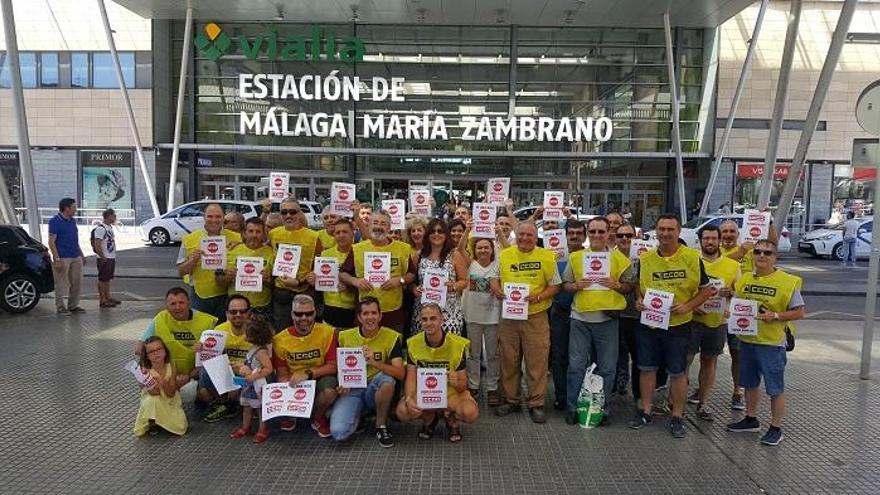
(437, 231)
(594, 232)
(763, 252)
(303, 314)
(237, 311)
(289, 212)
(625, 236)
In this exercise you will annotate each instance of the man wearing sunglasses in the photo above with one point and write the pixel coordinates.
(293, 232)
(307, 351)
(560, 316)
(236, 347)
(679, 270)
(763, 355)
(594, 327)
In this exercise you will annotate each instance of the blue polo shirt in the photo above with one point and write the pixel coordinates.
(66, 236)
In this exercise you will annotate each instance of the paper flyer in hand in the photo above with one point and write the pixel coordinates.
(716, 303)
(484, 215)
(287, 260)
(377, 267)
(555, 241)
(249, 274)
(431, 388)
(554, 201)
(282, 399)
(756, 226)
(351, 367)
(279, 183)
(516, 302)
(434, 287)
(342, 195)
(420, 202)
(326, 274)
(220, 371)
(597, 265)
(658, 304)
(498, 190)
(213, 342)
(142, 376)
(213, 250)
(396, 209)
(743, 317)
(640, 247)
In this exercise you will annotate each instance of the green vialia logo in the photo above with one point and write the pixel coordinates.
(213, 43)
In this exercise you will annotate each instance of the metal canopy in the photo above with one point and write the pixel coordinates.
(598, 13)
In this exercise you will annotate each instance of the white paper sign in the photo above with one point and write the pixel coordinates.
(249, 274)
(279, 183)
(657, 308)
(484, 215)
(377, 267)
(351, 367)
(287, 260)
(516, 302)
(555, 241)
(554, 201)
(396, 208)
(640, 247)
(431, 391)
(597, 265)
(213, 342)
(342, 195)
(280, 399)
(142, 376)
(714, 304)
(326, 274)
(213, 252)
(743, 317)
(756, 226)
(220, 372)
(434, 286)
(420, 202)
(498, 190)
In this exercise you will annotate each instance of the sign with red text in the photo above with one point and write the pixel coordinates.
(420, 202)
(351, 367)
(498, 190)
(597, 265)
(213, 342)
(554, 202)
(249, 274)
(484, 215)
(431, 388)
(326, 274)
(516, 302)
(640, 247)
(743, 318)
(396, 209)
(141, 375)
(283, 399)
(287, 260)
(756, 226)
(279, 186)
(213, 250)
(658, 306)
(715, 304)
(434, 286)
(377, 267)
(342, 195)
(555, 241)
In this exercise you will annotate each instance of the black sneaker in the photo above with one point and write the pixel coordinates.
(772, 437)
(676, 427)
(640, 419)
(745, 425)
(571, 418)
(383, 435)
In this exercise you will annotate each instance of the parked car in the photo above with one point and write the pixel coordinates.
(172, 226)
(689, 238)
(25, 270)
(526, 211)
(311, 209)
(829, 242)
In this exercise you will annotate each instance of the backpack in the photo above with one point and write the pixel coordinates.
(94, 242)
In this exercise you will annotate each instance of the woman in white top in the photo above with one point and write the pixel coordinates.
(481, 312)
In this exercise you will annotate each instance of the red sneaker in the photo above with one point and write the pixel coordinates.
(288, 424)
(322, 426)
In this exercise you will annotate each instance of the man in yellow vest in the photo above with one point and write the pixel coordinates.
(383, 349)
(676, 269)
(526, 340)
(252, 247)
(208, 295)
(731, 248)
(339, 305)
(236, 347)
(431, 348)
(180, 327)
(307, 351)
(763, 355)
(594, 313)
(293, 232)
(709, 327)
(325, 235)
(390, 292)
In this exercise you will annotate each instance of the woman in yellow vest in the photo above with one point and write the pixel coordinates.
(763, 355)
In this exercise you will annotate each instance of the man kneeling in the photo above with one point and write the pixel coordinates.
(431, 348)
(383, 352)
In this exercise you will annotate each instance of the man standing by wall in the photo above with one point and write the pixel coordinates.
(67, 257)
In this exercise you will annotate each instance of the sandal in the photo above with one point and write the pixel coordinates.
(427, 431)
(240, 432)
(454, 431)
(261, 436)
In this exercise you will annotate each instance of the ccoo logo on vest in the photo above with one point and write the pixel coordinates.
(322, 45)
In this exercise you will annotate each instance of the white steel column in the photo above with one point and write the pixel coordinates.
(24, 146)
(7, 211)
(181, 94)
(800, 153)
(794, 20)
(131, 123)
(676, 131)
(734, 104)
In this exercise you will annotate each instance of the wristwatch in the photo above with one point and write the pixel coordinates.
(402, 281)
(310, 374)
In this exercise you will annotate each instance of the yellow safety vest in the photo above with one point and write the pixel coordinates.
(599, 300)
(381, 344)
(203, 281)
(181, 336)
(678, 274)
(774, 293)
(327, 240)
(302, 353)
(746, 263)
(724, 269)
(257, 299)
(346, 299)
(535, 269)
(389, 300)
(304, 237)
(236, 347)
(449, 355)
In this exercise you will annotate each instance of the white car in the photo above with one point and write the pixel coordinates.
(689, 231)
(172, 226)
(829, 242)
(311, 209)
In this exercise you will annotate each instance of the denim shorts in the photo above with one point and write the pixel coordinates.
(667, 346)
(707, 341)
(766, 361)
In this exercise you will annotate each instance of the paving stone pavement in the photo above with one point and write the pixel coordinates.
(68, 409)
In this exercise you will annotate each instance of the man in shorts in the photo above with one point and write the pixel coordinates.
(104, 245)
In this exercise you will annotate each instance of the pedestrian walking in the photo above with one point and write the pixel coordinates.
(850, 238)
(67, 258)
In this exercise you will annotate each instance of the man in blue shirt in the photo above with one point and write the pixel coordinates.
(560, 317)
(67, 257)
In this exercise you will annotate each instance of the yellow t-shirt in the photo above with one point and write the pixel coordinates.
(451, 355)
(679, 274)
(774, 293)
(390, 300)
(203, 281)
(386, 345)
(724, 269)
(304, 237)
(537, 269)
(257, 299)
(237, 346)
(301, 353)
(347, 298)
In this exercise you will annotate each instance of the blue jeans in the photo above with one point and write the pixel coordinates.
(347, 409)
(849, 251)
(588, 343)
